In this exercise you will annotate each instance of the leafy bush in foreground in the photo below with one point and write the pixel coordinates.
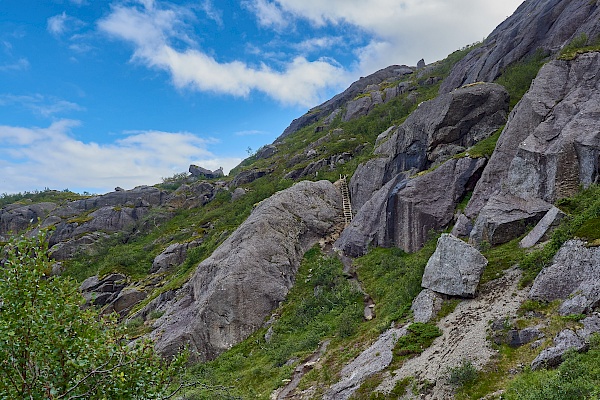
(50, 348)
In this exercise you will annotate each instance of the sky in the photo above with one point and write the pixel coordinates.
(96, 94)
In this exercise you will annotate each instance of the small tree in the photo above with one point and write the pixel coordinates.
(51, 348)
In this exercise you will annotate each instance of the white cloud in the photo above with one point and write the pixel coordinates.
(46, 106)
(61, 24)
(19, 65)
(151, 29)
(52, 157)
(211, 12)
(268, 14)
(320, 43)
(405, 31)
(57, 25)
(252, 132)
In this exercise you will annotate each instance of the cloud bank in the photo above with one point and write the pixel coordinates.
(155, 31)
(52, 157)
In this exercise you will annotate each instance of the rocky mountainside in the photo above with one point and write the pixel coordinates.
(470, 260)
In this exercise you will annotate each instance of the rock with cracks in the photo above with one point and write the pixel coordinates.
(233, 290)
(455, 268)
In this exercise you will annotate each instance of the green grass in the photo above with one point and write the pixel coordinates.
(321, 305)
(46, 195)
(420, 336)
(393, 279)
(578, 377)
(518, 77)
(579, 45)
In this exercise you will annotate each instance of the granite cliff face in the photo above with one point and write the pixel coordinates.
(537, 26)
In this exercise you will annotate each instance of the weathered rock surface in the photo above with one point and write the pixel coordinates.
(543, 228)
(505, 217)
(574, 277)
(248, 176)
(536, 25)
(15, 218)
(551, 143)
(403, 212)
(377, 357)
(239, 285)
(517, 338)
(553, 356)
(173, 256)
(199, 172)
(147, 195)
(455, 268)
(193, 195)
(338, 101)
(462, 227)
(313, 168)
(426, 305)
(434, 132)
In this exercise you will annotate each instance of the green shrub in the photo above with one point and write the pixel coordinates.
(578, 377)
(420, 336)
(518, 77)
(463, 374)
(52, 348)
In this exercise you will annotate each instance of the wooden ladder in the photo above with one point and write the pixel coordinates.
(346, 204)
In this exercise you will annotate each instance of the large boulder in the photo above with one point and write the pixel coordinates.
(173, 256)
(245, 278)
(434, 132)
(506, 217)
(551, 143)
(455, 268)
(574, 276)
(537, 25)
(405, 210)
(552, 356)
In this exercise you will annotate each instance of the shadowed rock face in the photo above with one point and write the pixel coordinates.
(403, 212)
(233, 291)
(437, 130)
(537, 24)
(551, 143)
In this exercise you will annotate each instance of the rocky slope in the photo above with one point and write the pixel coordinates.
(216, 257)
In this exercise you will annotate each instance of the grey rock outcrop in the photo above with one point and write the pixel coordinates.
(376, 358)
(506, 217)
(200, 172)
(543, 228)
(405, 210)
(435, 131)
(147, 195)
(233, 290)
(173, 256)
(248, 176)
(537, 25)
(550, 144)
(455, 268)
(574, 277)
(313, 168)
(553, 356)
(267, 151)
(338, 101)
(196, 194)
(15, 218)
(426, 305)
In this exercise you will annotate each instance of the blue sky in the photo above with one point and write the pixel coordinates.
(96, 94)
